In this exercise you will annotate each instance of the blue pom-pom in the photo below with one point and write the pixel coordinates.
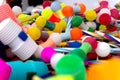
(55, 6)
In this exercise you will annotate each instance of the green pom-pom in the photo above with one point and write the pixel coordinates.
(79, 52)
(86, 47)
(71, 65)
(76, 21)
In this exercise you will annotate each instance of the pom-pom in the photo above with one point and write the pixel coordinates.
(46, 4)
(40, 21)
(103, 49)
(71, 64)
(55, 58)
(47, 54)
(55, 6)
(17, 10)
(82, 7)
(34, 33)
(92, 41)
(76, 33)
(67, 11)
(90, 15)
(76, 21)
(105, 19)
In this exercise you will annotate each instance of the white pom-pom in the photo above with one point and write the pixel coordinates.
(17, 10)
(103, 49)
(55, 58)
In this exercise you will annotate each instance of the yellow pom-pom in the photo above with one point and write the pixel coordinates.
(63, 24)
(34, 33)
(40, 22)
(58, 28)
(61, 77)
(90, 15)
(62, 5)
(102, 27)
(47, 13)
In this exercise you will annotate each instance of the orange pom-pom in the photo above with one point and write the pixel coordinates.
(83, 8)
(76, 33)
(67, 11)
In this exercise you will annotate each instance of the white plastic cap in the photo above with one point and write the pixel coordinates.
(56, 38)
(38, 51)
(26, 50)
(9, 30)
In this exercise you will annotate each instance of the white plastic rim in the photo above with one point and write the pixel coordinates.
(38, 51)
(105, 10)
(15, 43)
(56, 38)
(26, 50)
(91, 24)
(55, 58)
(9, 30)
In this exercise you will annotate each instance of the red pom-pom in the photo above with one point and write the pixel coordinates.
(111, 28)
(105, 19)
(46, 3)
(92, 41)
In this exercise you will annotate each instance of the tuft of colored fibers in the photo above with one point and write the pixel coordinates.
(76, 21)
(47, 54)
(46, 4)
(62, 5)
(86, 47)
(105, 70)
(114, 13)
(76, 33)
(102, 27)
(112, 28)
(79, 52)
(16, 10)
(90, 15)
(103, 49)
(34, 33)
(76, 8)
(105, 19)
(55, 58)
(68, 11)
(92, 41)
(5, 70)
(71, 65)
(40, 22)
(104, 4)
(82, 7)
(55, 6)
(47, 13)
(61, 77)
